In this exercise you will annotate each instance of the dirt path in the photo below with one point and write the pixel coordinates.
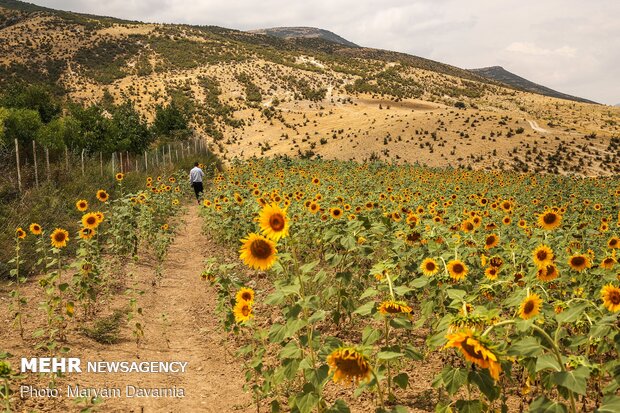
(535, 126)
(180, 324)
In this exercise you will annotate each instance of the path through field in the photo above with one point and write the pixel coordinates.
(182, 326)
(534, 125)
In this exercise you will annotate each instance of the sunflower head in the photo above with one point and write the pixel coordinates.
(258, 252)
(273, 222)
(81, 205)
(336, 212)
(491, 241)
(579, 262)
(90, 220)
(429, 267)
(348, 365)
(102, 195)
(87, 233)
(59, 238)
(243, 311)
(611, 297)
(119, 176)
(392, 307)
(542, 256)
(20, 233)
(547, 273)
(457, 269)
(245, 294)
(476, 350)
(530, 307)
(36, 229)
(549, 220)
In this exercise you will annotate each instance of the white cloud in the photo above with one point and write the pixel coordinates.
(532, 49)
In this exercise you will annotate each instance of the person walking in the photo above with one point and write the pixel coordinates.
(195, 179)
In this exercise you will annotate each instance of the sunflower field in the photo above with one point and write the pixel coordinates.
(505, 286)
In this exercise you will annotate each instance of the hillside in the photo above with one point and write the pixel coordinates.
(251, 94)
(500, 74)
(305, 33)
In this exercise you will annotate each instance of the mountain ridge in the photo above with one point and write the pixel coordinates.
(500, 74)
(287, 32)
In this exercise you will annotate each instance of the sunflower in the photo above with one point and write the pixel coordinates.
(258, 252)
(543, 256)
(314, 207)
(119, 176)
(611, 297)
(491, 241)
(608, 263)
(530, 306)
(335, 212)
(476, 350)
(81, 205)
(273, 222)
(100, 216)
(579, 262)
(20, 233)
(348, 365)
(102, 195)
(613, 243)
(392, 307)
(549, 220)
(87, 233)
(245, 294)
(506, 220)
(243, 311)
(36, 229)
(59, 238)
(429, 267)
(547, 273)
(90, 220)
(457, 269)
(491, 273)
(467, 226)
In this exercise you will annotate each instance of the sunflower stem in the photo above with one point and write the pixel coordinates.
(387, 362)
(379, 392)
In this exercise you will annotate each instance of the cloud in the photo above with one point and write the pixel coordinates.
(532, 49)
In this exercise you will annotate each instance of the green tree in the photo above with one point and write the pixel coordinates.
(23, 125)
(60, 132)
(170, 123)
(35, 97)
(129, 129)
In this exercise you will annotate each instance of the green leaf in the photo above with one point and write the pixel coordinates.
(547, 361)
(469, 406)
(402, 380)
(275, 298)
(306, 402)
(485, 383)
(339, 406)
(290, 351)
(370, 292)
(420, 282)
(453, 378)
(455, 294)
(611, 404)
(412, 353)
(388, 355)
(544, 405)
(571, 314)
(370, 335)
(366, 309)
(401, 322)
(528, 346)
(402, 290)
(317, 316)
(307, 268)
(572, 380)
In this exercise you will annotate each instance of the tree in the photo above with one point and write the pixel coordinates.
(23, 125)
(60, 132)
(34, 97)
(129, 129)
(170, 123)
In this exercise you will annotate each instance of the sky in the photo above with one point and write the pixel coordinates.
(568, 45)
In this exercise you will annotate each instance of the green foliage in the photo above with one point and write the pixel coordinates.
(23, 125)
(171, 123)
(107, 329)
(38, 97)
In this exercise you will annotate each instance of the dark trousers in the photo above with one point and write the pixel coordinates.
(198, 189)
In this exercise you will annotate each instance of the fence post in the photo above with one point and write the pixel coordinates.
(66, 158)
(47, 164)
(101, 162)
(36, 168)
(156, 157)
(83, 161)
(136, 164)
(113, 168)
(146, 162)
(127, 161)
(19, 174)
(120, 161)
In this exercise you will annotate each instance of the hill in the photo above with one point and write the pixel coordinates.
(250, 94)
(500, 74)
(306, 33)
